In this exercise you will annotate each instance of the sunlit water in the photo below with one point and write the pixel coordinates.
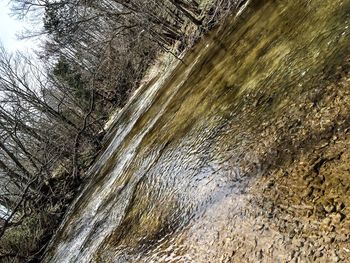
(173, 184)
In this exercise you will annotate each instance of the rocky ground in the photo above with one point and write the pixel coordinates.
(302, 202)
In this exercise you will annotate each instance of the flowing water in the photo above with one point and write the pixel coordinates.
(188, 166)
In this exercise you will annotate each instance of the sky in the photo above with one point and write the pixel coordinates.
(9, 28)
(3, 212)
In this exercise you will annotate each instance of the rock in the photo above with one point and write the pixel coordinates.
(260, 255)
(311, 253)
(343, 238)
(340, 206)
(319, 211)
(335, 257)
(329, 207)
(298, 242)
(346, 250)
(318, 254)
(259, 226)
(308, 213)
(337, 218)
(322, 145)
(325, 223)
(329, 239)
(307, 192)
(292, 255)
(270, 184)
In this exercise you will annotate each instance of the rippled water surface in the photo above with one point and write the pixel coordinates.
(175, 182)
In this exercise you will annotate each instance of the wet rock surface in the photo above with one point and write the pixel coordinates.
(301, 204)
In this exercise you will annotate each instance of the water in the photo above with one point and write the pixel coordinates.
(176, 182)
